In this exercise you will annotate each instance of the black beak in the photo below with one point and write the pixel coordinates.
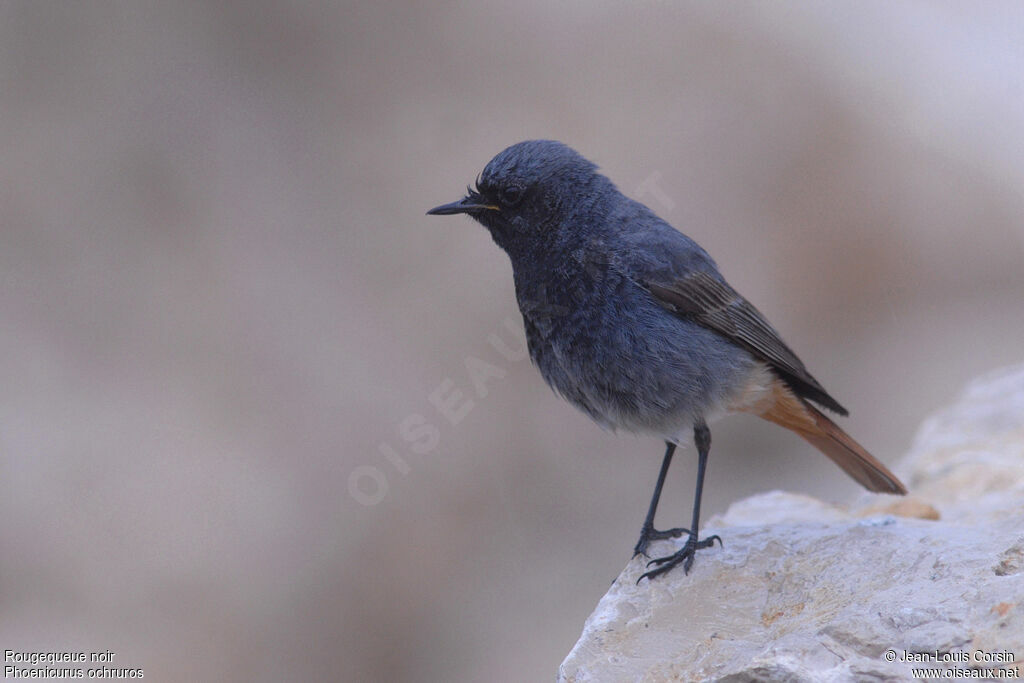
(470, 204)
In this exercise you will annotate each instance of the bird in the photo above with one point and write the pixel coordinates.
(632, 322)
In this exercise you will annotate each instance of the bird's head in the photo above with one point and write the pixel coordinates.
(527, 190)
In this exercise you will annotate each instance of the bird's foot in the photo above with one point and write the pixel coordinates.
(683, 557)
(649, 533)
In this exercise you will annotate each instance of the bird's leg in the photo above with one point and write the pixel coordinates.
(648, 533)
(701, 437)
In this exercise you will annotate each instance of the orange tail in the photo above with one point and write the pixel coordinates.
(798, 415)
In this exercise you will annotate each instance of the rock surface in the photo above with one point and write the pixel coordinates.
(807, 591)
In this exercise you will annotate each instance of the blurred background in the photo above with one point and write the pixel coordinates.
(223, 312)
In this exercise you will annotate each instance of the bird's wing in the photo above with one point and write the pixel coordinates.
(708, 300)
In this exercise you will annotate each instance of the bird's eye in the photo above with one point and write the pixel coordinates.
(511, 195)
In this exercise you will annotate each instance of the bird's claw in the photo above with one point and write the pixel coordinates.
(648, 534)
(683, 556)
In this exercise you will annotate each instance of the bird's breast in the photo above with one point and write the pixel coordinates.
(610, 349)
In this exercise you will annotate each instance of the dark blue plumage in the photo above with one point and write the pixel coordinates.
(599, 338)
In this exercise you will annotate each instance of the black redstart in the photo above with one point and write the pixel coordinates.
(631, 321)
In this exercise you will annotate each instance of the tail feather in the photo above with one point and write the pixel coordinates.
(801, 417)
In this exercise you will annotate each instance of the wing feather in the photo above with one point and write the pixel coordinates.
(710, 301)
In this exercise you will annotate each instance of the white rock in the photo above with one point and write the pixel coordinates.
(807, 591)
